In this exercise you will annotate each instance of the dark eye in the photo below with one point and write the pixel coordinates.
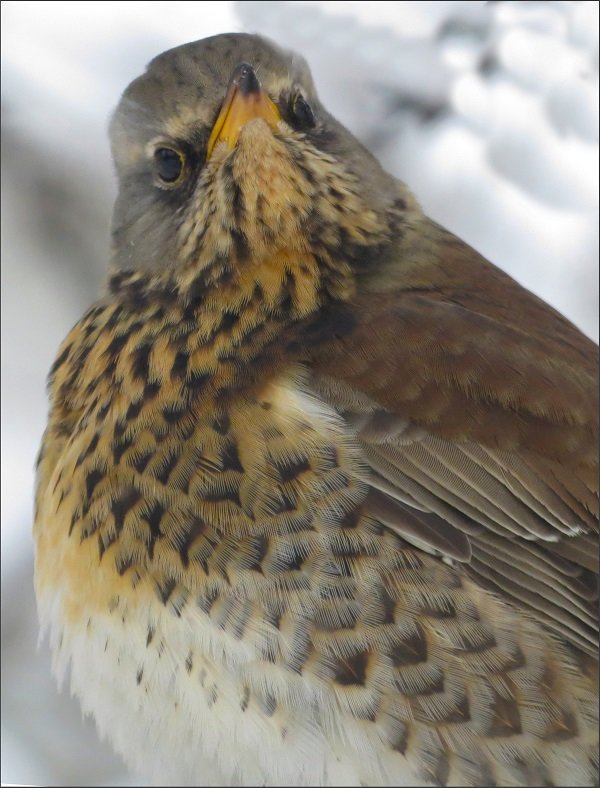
(169, 164)
(303, 114)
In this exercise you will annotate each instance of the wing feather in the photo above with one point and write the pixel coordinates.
(476, 408)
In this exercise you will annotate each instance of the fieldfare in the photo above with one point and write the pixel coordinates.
(317, 503)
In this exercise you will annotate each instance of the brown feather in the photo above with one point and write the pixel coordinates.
(477, 402)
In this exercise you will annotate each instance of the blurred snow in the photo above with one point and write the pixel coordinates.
(489, 111)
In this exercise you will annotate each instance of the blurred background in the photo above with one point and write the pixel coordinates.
(488, 110)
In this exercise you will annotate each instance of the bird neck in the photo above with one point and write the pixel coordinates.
(198, 339)
(229, 315)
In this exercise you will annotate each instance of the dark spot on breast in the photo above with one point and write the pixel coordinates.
(410, 651)
(506, 719)
(329, 458)
(40, 457)
(150, 391)
(289, 468)
(116, 346)
(285, 503)
(213, 694)
(153, 518)
(255, 337)
(105, 540)
(245, 699)
(92, 445)
(123, 563)
(399, 738)
(563, 728)
(140, 462)
(445, 609)
(515, 660)
(461, 712)
(123, 504)
(226, 353)
(268, 704)
(180, 365)
(288, 287)
(74, 519)
(215, 496)
(114, 318)
(61, 499)
(159, 313)
(92, 479)
(260, 548)
(228, 321)
(165, 588)
(193, 294)
(230, 460)
(306, 172)
(293, 562)
(237, 202)
(173, 414)
(196, 381)
(189, 662)
(486, 642)
(221, 423)
(178, 604)
(388, 606)
(77, 364)
(60, 361)
(87, 452)
(528, 772)
(273, 616)
(351, 519)
(118, 448)
(134, 327)
(194, 531)
(351, 670)
(149, 636)
(206, 601)
(136, 295)
(119, 429)
(94, 312)
(240, 244)
(140, 361)
(133, 411)
(139, 675)
(163, 474)
(101, 414)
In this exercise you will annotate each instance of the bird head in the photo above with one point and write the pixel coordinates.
(225, 155)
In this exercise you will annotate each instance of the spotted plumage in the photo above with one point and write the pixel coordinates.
(317, 501)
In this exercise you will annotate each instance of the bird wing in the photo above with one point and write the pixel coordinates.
(476, 407)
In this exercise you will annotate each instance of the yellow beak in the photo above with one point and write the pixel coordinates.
(245, 101)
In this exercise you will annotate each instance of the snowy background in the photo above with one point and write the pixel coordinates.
(489, 111)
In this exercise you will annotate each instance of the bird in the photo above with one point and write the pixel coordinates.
(317, 500)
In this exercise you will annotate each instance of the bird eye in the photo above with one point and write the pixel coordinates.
(169, 165)
(302, 111)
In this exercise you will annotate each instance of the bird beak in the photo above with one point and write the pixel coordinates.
(245, 101)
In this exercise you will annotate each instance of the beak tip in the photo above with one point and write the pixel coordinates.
(245, 78)
(245, 101)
